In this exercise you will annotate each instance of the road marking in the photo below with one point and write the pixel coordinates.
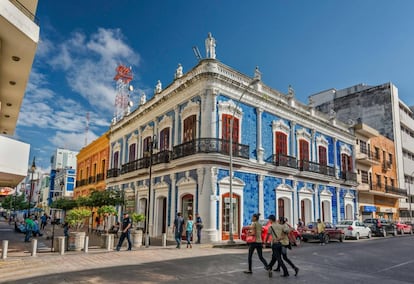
(396, 266)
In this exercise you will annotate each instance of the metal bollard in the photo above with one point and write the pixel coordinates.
(34, 247)
(109, 244)
(86, 244)
(62, 245)
(164, 239)
(5, 247)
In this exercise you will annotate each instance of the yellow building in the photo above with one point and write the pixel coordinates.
(378, 190)
(92, 165)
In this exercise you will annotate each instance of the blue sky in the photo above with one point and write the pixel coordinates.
(311, 45)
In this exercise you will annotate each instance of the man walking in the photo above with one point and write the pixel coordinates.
(126, 225)
(321, 232)
(275, 231)
(178, 228)
(29, 228)
(199, 226)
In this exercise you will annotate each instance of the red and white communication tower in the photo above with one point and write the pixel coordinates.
(122, 100)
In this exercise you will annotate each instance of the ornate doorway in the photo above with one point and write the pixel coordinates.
(225, 205)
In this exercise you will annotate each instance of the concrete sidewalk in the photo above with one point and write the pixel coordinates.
(20, 267)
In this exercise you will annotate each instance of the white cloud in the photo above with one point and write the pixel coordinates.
(90, 64)
(71, 140)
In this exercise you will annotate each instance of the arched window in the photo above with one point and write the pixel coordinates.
(346, 163)
(322, 155)
(190, 128)
(281, 143)
(146, 145)
(165, 139)
(132, 150)
(303, 155)
(116, 160)
(226, 119)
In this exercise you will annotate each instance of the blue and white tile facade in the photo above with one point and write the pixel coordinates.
(198, 180)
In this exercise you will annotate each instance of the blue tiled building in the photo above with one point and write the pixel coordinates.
(287, 158)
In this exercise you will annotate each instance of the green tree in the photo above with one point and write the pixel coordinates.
(14, 202)
(76, 217)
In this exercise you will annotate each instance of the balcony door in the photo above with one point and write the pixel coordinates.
(225, 135)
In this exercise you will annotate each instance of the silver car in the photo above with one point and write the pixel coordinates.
(354, 229)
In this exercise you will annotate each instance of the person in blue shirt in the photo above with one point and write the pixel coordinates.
(189, 230)
(199, 226)
(178, 229)
(43, 220)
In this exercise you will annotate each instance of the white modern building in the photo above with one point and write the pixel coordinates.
(63, 159)
(19, 36)
(286, 158)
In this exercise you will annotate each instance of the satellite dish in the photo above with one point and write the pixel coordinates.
(131, 104)
(131, 88)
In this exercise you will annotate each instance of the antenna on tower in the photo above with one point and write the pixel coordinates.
(197, 53)
(87, 128)
(122, 100)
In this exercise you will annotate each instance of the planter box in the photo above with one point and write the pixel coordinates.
(76, 241)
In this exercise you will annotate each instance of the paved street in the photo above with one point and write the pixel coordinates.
(380, 260)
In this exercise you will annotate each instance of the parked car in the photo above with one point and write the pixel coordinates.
(381, 227)
(296, 236)
(354, 229)
(404, 228)
(310, 232)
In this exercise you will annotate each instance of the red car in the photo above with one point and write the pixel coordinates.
(331, 232)
(295, 236)
(403, 228)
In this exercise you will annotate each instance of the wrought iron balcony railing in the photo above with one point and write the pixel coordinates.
(113, 173)
(349, 176)
(395, 190)
(210, 145)
(135, 165)
(284, 161)
(313, 167)
(99, 177)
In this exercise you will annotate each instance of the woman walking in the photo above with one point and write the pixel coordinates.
(189, 230)
(255, 232)
(284, 240)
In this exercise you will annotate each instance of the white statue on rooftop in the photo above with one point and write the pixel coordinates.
(210, 47)
(143, 99)
(291, 91)
(158, 87)
(257, 74)
(179, 71)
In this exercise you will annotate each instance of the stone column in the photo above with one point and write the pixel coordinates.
(296, 206)
(259, 150)
(338, 204)
(260, 179)
(176, 124)
(173, 205)
(292, 139)
(313, 141)
(124, 151)
(211, 230)
(335, 158)
(317, 202)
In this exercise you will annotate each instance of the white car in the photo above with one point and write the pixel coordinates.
(354, 229)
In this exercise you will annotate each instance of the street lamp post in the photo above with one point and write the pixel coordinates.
(231, 216)
(151, 150)
(33, 168)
